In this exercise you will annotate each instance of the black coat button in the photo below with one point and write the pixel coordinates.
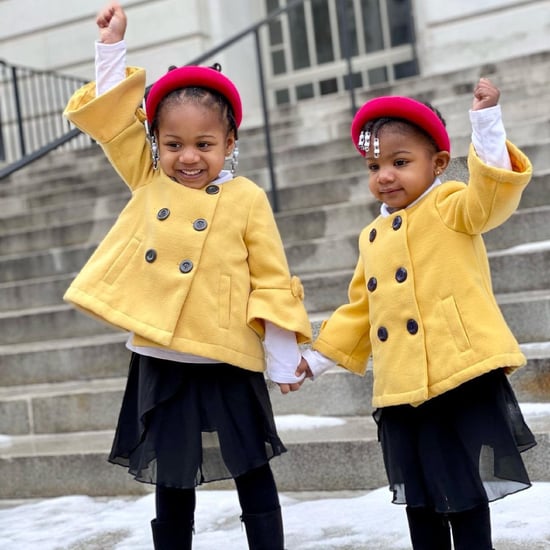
(372, 235)
(212, 189)
(372, 284)
(401, 275)
(186, 266)
(151, 255)
(382, 334)
(200, 224)
(163, 213)
(396, 223)
(412, 326)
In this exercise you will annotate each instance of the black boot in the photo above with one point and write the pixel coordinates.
(171, 535)
(472, 529)
(428, 529)
(264, 531)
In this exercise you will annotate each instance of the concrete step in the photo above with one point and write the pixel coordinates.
(64, 360)
(44, 263)
(69, 210)
(93, 405)
(521, 267)
(527, 312)
(345, 452)
(37, 324)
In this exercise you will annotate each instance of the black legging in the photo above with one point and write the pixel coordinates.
(256, 489)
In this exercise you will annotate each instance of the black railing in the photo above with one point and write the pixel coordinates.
(31, 106)
(31, 121)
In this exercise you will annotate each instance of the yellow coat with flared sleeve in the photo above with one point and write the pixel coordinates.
(421, 300)
(194, 271)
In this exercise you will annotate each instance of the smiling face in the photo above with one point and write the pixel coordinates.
(406, 166)
(193, 141)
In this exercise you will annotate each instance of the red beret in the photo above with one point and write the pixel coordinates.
(192, 76)
(404, 108)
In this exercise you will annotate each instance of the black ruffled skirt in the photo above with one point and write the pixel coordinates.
(457, 450)
(184, 424)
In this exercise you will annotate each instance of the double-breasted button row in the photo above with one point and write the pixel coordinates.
(383, 333)
(185, 266)
(396, 224)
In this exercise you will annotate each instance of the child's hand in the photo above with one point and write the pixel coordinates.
(111, 21)
(303, 367)
(285, 388)
(486, 94)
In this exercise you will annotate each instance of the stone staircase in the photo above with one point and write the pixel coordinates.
(62, 374)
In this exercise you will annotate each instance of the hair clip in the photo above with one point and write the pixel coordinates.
(376, 145)
(364, 141)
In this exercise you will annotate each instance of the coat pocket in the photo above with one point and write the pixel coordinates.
(224, 297)
(122, 261)
(455, 324)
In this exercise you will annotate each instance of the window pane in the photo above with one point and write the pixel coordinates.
(304, 91)
(351, 36)
(372, 25)
(298, 38)
(378, 75)
(282, 97)
(356, 79)
(329, 86)
(321, 27)
(275, 33)
(278, 62)
(401, 23)
(403, 70)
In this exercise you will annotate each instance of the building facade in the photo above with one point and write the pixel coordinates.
(317, 49)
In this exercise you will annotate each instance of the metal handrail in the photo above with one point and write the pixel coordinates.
(251, 30)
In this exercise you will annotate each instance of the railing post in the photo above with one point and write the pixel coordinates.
(267, 130)
(2, 148)
(344, 34)
(18, 114)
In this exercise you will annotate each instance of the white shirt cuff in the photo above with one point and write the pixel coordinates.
(282, 354)
(318, 363)
(110, 65)
(489, 137)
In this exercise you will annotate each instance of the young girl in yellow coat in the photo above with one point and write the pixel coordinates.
(194, 269)
(421, 303)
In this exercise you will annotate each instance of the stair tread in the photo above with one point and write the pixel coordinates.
(317, 430)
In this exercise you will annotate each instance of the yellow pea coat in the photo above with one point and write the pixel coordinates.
(194, 271)
(421, 299)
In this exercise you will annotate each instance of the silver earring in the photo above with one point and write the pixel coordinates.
(235, 158)
(154, 151)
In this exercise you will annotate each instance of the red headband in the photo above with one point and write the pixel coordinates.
(193, 76)
(406, 109)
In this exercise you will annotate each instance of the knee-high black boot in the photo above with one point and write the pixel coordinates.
(472, 529)
(172, 535)
(428, 529)
(264, 531)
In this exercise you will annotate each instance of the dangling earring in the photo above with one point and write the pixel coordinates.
(235, 158)
(154, 151)
(152, 140)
